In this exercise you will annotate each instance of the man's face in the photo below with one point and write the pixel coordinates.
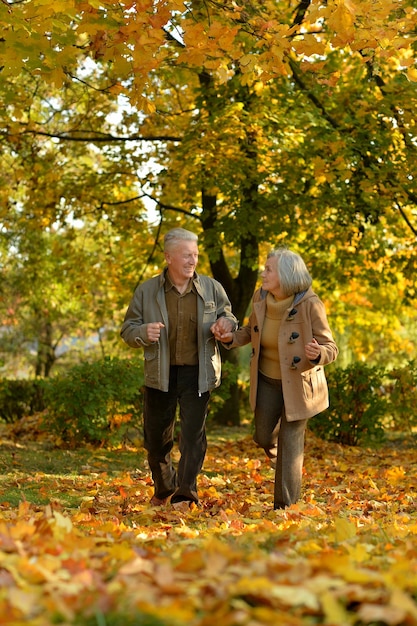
(182, 260)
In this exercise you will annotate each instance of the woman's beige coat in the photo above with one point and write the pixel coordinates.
(304, 384)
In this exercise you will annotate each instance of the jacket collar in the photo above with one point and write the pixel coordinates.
(162, 277)
(297, 298)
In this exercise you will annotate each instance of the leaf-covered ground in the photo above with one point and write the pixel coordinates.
(80, 543)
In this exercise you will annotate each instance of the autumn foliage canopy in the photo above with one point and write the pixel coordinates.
(259, 40)
(252, 123)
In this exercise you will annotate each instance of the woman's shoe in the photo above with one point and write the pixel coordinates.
(154, 501)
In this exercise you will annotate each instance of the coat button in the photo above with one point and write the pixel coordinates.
(295, 360)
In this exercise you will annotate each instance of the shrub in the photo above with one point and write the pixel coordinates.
(402, 394)
(19, 398)
(221, 394)
(357, 409)
(95, 402)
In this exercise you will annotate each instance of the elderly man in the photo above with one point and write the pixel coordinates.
(171, 317)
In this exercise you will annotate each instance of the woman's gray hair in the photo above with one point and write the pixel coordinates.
(176, 235)
(292, 272)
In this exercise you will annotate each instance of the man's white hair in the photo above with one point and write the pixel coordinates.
(176, 235)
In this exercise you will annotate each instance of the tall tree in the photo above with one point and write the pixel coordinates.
(62, 254)
(259, 123)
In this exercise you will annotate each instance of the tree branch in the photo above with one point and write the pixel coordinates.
(89, 85)
(95, 138)
(311, 96)
(161, 205)
(119, 202)
(301, 11)
(154, 247)
(169, 207)
(405, 218)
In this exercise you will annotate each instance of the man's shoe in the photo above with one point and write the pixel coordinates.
(154, 501)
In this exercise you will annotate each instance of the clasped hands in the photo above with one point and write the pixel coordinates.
(222, 329)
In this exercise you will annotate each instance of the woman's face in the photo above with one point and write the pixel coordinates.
(270, 280)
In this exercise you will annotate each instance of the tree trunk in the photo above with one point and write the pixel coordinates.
(240, 288)
(240, 291)
(45, 357)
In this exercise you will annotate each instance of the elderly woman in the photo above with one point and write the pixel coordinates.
(291, 343)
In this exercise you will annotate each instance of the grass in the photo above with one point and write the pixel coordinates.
(31, 472)
(39, 473)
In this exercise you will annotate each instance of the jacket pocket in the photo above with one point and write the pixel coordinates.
(314, 383)
(210, 311)
(151, 354)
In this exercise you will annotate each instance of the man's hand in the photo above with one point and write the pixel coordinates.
(153, 331)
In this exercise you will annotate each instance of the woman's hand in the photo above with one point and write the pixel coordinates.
(312, 350)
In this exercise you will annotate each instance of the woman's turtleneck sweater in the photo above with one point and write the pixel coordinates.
(269, 355)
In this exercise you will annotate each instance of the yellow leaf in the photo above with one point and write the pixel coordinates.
(342, 23)
(177, 5)
(62, 521)
(373, 484)
(192, 561)
(380, 614)
(223, 74)
(333, 610)
(148, 107)
(137, 566)
(193, 57)
(344, 529)
(359, 553)
(412, 74)
(25, 601)
(22, 529)
(287, 595)
(246, 60)
(401, 599)
(395, 475)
